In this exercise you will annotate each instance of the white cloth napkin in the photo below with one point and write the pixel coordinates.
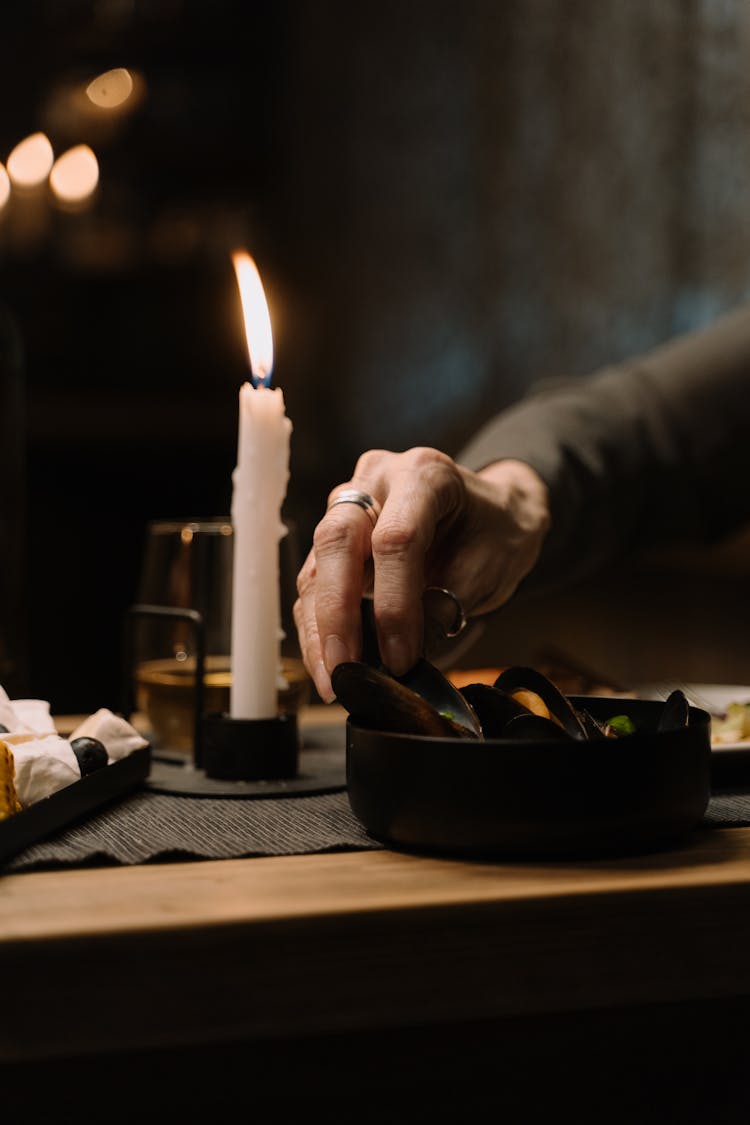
(44, 760)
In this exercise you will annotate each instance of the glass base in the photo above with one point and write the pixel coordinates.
(164, 693)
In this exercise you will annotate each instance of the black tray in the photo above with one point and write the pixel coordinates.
(73, 803)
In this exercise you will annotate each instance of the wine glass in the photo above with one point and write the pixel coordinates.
(187, 564)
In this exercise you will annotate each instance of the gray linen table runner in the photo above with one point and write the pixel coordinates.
(153, 827)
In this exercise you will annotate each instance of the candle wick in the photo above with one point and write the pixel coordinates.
(260, 380)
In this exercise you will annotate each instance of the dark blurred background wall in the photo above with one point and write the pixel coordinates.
(446, 200)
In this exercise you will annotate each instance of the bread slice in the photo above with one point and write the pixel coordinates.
(9, 803)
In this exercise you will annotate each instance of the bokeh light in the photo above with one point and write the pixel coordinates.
(4, 187)
(111, 89)
(30, 161)
(75, 175)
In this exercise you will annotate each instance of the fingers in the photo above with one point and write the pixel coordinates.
(341, 545)
(335, 576)
(307, 629)
(330, 584)
(424, 489)
(416, 490)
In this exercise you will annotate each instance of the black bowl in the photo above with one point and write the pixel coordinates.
(516, 798)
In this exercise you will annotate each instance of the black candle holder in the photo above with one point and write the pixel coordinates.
(250, 749)
(234, 757)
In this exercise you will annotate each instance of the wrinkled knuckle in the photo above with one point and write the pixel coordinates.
(369, 462)
(443, 472)
(393, 539)
(438, 471)
(425, 457)
(335, 536)
(446, 482)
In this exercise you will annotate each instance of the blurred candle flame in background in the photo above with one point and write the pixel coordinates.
(75, 174)
(30, 161)
(258, 333)
(111, 89)
(4, 187)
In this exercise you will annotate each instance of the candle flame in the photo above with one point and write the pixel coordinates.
(30, 161)
(75, 174)
(4, 187)
(111, 89)
(257, 319)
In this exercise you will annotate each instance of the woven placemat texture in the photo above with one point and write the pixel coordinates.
(153, 827)
(729, 810)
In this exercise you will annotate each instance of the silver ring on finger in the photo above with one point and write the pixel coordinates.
(363, 500)
(460, 620)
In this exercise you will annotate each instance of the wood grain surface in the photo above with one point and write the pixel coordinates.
(215, 951)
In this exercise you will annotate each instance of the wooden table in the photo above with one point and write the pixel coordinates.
(279, 950)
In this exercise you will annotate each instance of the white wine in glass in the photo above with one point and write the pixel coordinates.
(187, 564)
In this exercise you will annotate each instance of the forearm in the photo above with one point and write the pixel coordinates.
(655, 450)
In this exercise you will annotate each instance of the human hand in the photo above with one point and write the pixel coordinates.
(440, 524)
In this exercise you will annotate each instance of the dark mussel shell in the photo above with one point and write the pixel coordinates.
(437, 690)
(516, 679)
(494, 708)
(676, 712)
(504, 716)
(535, 727)
(424, 679)
(379, 701)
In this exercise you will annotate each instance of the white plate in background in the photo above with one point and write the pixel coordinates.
(714, 698)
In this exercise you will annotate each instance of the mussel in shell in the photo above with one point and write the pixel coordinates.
(376, 699)
(494, 708)
(521, 704)
(434, 688)
(676, 712)
(540, 696)
(532, 726)
(423, 701)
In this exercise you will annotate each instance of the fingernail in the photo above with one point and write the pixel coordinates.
(335, 652)
(396, 655)
(323, 683)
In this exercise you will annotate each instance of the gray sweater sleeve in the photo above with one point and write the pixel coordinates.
(656, 450)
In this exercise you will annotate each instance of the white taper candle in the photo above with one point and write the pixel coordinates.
(259, 488)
